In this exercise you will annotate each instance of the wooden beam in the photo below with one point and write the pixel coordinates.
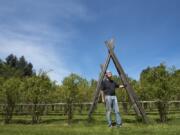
(132, 95)
(98, 88)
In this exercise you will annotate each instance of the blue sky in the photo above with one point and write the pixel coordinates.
(68, 35)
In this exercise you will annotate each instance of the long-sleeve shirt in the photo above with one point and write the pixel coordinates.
(108, 87)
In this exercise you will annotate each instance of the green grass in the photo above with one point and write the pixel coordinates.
(54, 129)
(57, 125)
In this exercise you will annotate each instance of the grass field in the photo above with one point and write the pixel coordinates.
(57, 125)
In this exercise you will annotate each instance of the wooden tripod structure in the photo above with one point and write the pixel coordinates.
(132, 95)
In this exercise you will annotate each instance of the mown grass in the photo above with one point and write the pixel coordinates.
(54, 129)
(57, 125)
(79, 129)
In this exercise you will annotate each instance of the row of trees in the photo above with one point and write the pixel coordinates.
(20, 84)
(159, 83)
(162, 84)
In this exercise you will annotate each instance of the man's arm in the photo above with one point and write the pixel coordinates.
(119, 86)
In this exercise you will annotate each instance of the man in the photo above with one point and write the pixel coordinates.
(108, 87)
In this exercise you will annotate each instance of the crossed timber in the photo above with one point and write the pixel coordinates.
(132, 95)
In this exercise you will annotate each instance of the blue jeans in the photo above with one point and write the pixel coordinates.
(112, 105)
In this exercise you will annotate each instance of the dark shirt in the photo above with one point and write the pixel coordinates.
(108, 87)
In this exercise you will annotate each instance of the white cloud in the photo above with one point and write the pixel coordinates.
(42, 57)
(29, 28)
(38, 44)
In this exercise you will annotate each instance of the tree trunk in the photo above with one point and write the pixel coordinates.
(35, 115)
(163, 109)
(69, 113)
(9, 108)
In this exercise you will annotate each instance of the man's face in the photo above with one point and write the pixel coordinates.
(109, 74)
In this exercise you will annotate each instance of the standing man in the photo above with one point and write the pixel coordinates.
(108, 87)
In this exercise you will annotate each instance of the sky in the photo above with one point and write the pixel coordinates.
(67, 36)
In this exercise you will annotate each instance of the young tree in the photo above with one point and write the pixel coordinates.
(157, 82)
(71, 93)
(92, 88)
(176, 80)
(10, 94)
(36, 91)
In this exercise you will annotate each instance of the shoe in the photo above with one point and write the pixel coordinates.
(119, 125)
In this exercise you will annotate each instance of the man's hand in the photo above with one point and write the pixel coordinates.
(121, 86)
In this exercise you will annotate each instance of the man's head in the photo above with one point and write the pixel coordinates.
(109, 74)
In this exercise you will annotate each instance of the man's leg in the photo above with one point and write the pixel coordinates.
(117, 113)
(108, 109)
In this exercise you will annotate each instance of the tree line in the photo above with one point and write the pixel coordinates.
(20, 83)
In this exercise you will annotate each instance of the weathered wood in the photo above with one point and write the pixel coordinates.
(133, 97)
(97, 91)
